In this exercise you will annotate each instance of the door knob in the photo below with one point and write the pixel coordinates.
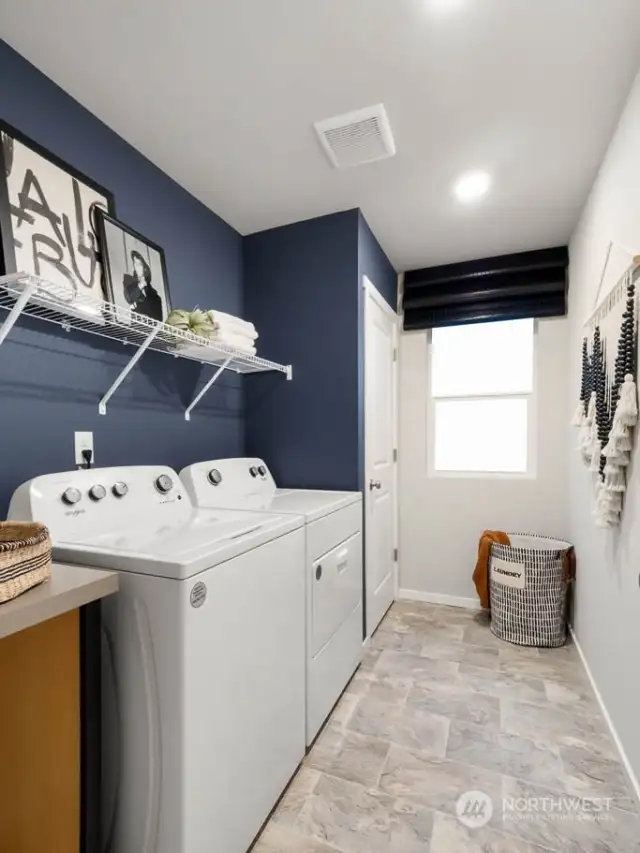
(374, 484)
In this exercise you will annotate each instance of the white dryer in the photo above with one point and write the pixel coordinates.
(205, 680)
(333, 566)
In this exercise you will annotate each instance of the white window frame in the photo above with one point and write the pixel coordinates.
(532, 424)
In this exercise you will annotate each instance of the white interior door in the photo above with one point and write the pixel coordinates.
(380, 329)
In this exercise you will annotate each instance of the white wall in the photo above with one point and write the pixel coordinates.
(607, 608)
(441, 518)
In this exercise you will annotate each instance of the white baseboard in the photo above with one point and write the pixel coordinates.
(438, 598)
(635, 784)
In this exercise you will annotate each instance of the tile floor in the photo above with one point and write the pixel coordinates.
(440, 707)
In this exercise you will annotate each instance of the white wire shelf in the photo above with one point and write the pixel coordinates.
(31, 295)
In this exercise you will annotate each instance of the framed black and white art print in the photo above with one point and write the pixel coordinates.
(46, 217)
(135, 272)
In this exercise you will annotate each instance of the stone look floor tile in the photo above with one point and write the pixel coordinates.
(282, 839)
(456, 700)
(290, 805)
(450, 836)
(439, 707)
(343, 710)
(349, 756)
(547, 667)
(482, 656)
(415, 729)
(504, 753)
(383, 687)
(478, 633)
(416, 667)
(557, 727)
(575, 697)
(503, 685)
(434, 782)
(608, 831)
(589, 775)
(360, 820)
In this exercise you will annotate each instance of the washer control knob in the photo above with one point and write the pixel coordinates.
(253, 471)
(71, 496)
(164, 484)
(120, 489)
(97, 492)
(214, 477)
(262, 471)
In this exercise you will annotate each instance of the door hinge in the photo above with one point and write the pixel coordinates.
(395, 353)
(395, 454)
(395, 555)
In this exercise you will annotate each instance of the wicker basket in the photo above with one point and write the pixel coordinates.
(25, 557)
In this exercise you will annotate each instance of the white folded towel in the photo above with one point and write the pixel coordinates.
(241, 343)
(233, 325)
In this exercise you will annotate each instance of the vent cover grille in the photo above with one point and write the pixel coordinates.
(358, 137)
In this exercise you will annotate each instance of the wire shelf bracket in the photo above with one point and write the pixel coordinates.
(31, 295)
(102, 405)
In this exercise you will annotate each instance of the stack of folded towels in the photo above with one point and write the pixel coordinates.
(230, 331)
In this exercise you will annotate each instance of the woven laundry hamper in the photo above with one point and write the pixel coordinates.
(528, 584)
(25, 557)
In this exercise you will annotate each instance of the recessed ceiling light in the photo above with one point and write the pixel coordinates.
(471, 186)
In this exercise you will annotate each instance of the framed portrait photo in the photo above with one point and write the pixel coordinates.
(135, 273)
(47, 225)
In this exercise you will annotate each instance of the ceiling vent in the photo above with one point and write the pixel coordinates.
(358, 137)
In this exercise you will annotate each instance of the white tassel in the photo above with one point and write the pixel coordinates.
(623, 458)
(579, 416)
(606, 521)
(586, 436)
(608, 507)
(627, 408)
(609, 500)
(614, 480)
(594, 455)
(619, 445)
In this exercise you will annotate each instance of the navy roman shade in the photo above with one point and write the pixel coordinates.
(507, 287)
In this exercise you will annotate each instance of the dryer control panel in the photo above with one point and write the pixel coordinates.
(245, 482)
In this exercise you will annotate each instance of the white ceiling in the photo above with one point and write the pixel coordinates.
(222, 95)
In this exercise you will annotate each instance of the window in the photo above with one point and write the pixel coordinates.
(482, 406)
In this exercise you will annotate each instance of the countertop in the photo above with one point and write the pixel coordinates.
(68, 588)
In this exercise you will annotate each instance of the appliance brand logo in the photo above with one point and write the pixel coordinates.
(75, 512)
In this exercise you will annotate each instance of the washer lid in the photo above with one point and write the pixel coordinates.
(177, 550)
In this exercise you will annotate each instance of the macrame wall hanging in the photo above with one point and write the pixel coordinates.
(608, 407)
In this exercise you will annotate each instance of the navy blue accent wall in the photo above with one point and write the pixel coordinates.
(50, 382)
(301, 291)
(376, 266)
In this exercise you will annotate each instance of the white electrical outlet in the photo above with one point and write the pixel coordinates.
(83, 441)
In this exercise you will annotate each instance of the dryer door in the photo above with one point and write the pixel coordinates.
(336, 589)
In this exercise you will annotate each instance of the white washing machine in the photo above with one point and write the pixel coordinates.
(205, 676)
(333, 566)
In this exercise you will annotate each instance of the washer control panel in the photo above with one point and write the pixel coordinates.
(78, 503)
